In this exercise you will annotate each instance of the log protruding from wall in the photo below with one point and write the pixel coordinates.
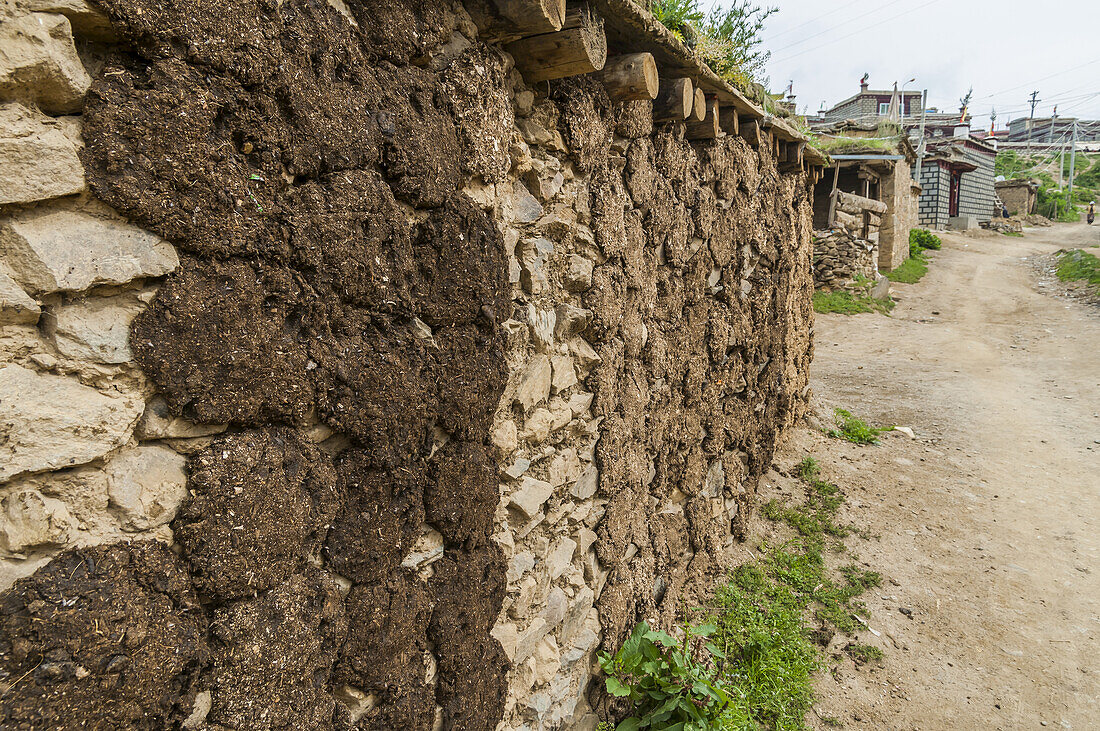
(750, 130)
(675, 100)
(698, 106)
(580, 47)
(631, 77)
(728, 121)
(857, 204)
(533, 16)
(708, 128)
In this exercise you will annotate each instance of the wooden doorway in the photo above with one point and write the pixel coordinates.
(956, 186)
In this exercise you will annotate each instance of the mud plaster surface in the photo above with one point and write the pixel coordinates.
(307, 168)
(701, 317)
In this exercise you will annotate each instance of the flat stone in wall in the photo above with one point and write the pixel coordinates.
(37, 155)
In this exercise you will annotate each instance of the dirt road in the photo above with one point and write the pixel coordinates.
(989, 520)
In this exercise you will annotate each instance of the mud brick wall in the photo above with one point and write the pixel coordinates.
(1019, 197)
(347, 382)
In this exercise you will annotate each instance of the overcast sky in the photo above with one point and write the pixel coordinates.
(1005, 50)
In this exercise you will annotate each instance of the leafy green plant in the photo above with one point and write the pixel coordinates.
(726, 39)
(676, 14)
(1008, 163)
(1056, 205)
(924, 239)
(669, 688)
(854, 429)
(730, 41)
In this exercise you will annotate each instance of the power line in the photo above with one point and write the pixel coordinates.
(857, 32)
(1044, 78)
(814, 20)
(831, 29)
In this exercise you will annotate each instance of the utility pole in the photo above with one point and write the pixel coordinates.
(1053, 122)
(1072, 163)
(920, 140)
(1034, 100)
(1061, 163)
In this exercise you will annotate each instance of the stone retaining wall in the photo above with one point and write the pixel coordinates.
(840, 256)
(348, 382)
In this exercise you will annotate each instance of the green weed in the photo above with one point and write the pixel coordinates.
(770, 658)
(854, 429)
(1078, 265)
(727, 38)
(863, 654)
(924, 239)
(850, 303)
(750, 666)
(911, 270)
(668, 686)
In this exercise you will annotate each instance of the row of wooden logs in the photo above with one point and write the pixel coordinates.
(855, 212)
(560, 41)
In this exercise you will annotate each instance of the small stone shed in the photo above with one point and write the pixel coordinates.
(877, 167)
(1018, 196)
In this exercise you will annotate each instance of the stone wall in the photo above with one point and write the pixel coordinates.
(347, 382)
(840, 256)
(897, 192)
(658, 346)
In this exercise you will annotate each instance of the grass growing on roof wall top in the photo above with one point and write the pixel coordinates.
(726, 38)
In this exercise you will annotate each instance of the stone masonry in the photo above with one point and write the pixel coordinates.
(840, 256)
(347, 381)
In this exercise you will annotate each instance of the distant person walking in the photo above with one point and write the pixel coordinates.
(1092, 212)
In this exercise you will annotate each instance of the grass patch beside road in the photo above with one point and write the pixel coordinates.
(911, 270)
(771, 612)
(750, 666)
(1078, 266)
(916, 266)
(850, 303)
(855, 430)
